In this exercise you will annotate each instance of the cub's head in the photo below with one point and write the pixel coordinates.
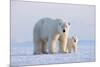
(74, 39)
(62, 26)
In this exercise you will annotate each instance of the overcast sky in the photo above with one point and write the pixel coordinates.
(25, 14)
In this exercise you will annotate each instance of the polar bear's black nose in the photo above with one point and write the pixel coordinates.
(63, 30)
(74, 40)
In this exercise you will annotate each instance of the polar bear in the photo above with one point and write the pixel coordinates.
(72, 44)
(47, 32)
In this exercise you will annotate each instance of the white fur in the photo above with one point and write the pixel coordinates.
(72, 44)
(47, 32)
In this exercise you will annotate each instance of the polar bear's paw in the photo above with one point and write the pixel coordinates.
(44, 52)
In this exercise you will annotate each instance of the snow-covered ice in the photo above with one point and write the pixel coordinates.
(22, 54)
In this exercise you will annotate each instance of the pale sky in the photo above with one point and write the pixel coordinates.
(25, 14)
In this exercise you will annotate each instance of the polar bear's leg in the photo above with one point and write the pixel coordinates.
(74, 48)
(38, 48)
(52, 44)
(63, 47)
(44, 48)
(69, 50)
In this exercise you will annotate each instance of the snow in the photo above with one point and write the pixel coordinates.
(22, 55)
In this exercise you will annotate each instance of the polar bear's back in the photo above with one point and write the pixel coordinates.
(49, 26)
(44, 27)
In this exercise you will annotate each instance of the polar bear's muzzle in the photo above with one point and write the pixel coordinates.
(63, 30)
(74, 40)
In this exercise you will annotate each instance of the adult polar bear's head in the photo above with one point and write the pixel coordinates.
(63, 26)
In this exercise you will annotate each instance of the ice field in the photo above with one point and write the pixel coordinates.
(22, 54)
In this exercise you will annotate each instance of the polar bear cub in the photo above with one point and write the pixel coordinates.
(72, 44)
